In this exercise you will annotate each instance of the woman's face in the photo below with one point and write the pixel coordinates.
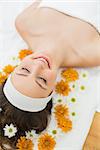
(35, 76)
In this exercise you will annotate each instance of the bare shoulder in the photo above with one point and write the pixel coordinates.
(95, 51)
(86, 56)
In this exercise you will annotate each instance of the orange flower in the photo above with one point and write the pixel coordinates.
(46, 142)
(61, 111)
(24, 144)
(8, 69)
(3, 77)
(70, 75)
(64, 124)
(63, 88)
(23, 53)
(62, 114)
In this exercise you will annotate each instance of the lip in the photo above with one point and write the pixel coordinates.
(46, 59)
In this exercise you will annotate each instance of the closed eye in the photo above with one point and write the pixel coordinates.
(40, 85)
(43, 80)
(26, 69)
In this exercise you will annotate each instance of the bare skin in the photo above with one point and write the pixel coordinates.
(64, 40)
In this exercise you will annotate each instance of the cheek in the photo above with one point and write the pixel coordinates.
(26, 62)
(51, 75)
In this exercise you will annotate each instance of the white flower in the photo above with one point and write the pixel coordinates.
(0, 109)
(10, 131)
(84, 74)
(52, 128)
(31, 135)
(55, 132)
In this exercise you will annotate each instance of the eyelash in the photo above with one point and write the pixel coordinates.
(25, 69)
(42, 79)
(38, 77)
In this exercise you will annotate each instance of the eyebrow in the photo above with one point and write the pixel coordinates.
(35, 81)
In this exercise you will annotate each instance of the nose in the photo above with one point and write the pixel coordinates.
(42, 62)
(38, 67)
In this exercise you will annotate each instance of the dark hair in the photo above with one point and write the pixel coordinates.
(24, 121)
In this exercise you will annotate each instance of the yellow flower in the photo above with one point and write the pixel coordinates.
(63, 88)
(3, 77)
(23, 53)
(65, 124)
(61, 111)
(70, 75)
(46, 142)
(24, 144)
(8, 69)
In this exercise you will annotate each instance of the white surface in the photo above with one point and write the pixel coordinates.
(88, 101)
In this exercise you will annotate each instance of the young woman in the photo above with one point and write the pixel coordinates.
(57, 39)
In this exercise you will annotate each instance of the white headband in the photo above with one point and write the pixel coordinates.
(24, 102)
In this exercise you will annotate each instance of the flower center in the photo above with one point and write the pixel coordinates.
(10, 130)
(31, 135)
(47, 143)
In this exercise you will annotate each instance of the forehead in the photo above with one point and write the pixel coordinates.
(28, 86)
